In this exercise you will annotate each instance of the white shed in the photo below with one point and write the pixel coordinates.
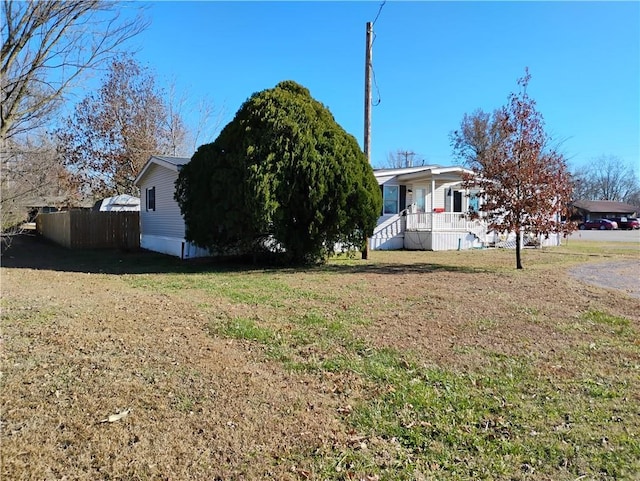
(118, 203)
(162, 226)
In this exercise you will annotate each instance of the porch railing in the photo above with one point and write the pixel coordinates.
(433, 221)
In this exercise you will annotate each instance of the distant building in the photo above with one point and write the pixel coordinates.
(601, 209)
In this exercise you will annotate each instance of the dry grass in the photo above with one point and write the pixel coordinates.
(415, 365)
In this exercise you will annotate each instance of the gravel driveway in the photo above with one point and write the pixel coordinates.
(624, 276)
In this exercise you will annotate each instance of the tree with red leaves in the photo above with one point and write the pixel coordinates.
(524, 183)
(113, 132)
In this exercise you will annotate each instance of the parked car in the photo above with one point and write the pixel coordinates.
(627, 222)
(602, 224)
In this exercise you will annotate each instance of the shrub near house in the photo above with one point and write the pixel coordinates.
(282, 174)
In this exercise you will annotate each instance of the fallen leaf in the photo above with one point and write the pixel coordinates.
(116, 417)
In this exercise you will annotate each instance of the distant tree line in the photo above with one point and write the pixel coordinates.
(607, 178)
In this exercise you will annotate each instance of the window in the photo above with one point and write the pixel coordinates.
(390, 199)
(420, 199)
(474, 203)
(151, 198)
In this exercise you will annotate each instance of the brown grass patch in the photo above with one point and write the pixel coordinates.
(146, 333)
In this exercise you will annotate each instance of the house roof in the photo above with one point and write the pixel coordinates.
(604, 206)
(402, 170)
(168, 162)
(411, 173)
(55, 201)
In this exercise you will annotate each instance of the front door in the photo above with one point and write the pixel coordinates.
(457, 201)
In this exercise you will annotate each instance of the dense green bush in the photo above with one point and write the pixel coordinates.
(282, 176)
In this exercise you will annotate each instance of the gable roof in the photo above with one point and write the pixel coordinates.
(410, 173)
(604, 206)
(168, 162)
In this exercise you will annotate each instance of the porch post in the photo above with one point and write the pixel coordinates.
(433, 196)
(433, 193)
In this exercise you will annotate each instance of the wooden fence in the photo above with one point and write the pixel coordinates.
(91, 230)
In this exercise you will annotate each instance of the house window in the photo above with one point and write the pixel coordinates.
(390, 199)
(151, 198)
(420, 199)
(474, 203)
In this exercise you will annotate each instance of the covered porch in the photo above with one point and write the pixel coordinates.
(443, 231)
(427, 208)
(442, 221)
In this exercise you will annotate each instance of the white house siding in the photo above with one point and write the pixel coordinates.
(440, 241)
(552, 241)
(166, 220)
(162, 230)
(172, 246)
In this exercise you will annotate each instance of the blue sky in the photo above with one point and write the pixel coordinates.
(433, 62)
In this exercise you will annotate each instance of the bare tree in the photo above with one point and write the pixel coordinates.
(404, 158)
(607, 178)
(478, 134)
(208, 122)
(524, 183)
(46, 46)
(174, 123)
(190, 123)
(31, 173)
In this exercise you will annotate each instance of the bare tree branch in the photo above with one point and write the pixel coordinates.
(607, 177)
(404, 158)
(46, 46)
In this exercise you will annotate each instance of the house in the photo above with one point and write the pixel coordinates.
(118, 203)
(599, 209)
(47, 204)
(162, 227)
(427, 208)
(424, 208)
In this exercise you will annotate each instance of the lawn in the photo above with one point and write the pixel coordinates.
(407, 366)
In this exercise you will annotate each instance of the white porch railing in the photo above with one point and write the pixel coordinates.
(448, 221)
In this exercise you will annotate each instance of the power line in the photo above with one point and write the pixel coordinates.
(373, 72)
(379, 10)
(375, 83)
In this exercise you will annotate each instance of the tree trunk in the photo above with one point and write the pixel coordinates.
(518, 254)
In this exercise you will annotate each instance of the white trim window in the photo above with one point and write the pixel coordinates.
(420, 196)
(151, 198)
(390, 199)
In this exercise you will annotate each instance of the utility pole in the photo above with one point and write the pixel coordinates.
(408, 157)
(367, 92)
(367, 109)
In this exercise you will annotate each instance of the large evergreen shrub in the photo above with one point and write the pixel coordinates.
(283, 176)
